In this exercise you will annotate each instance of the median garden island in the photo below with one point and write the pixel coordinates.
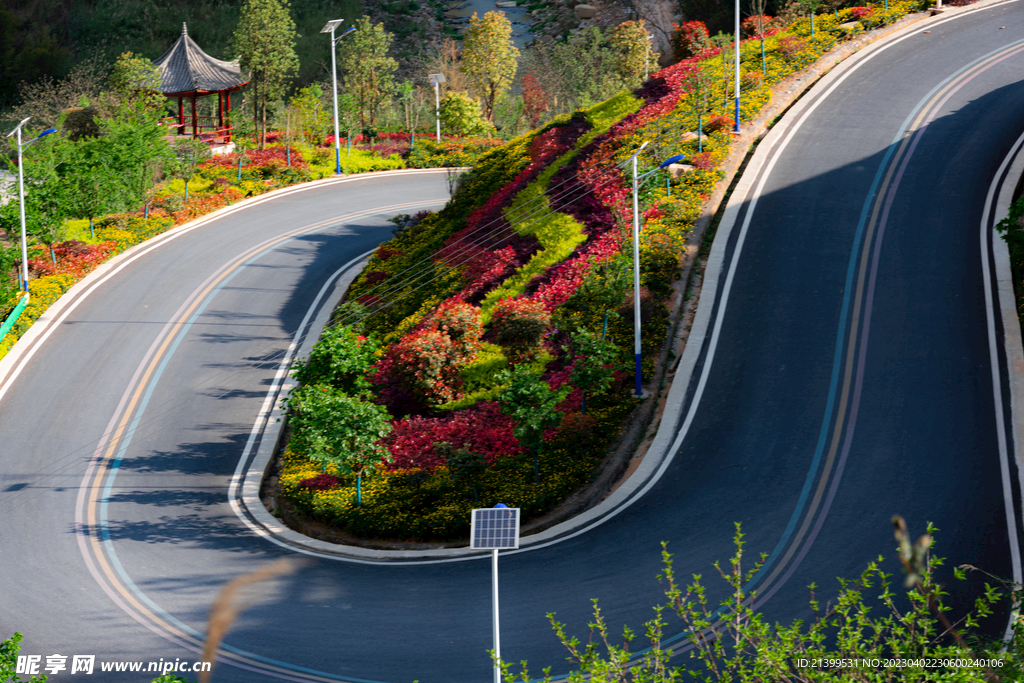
(485, 353)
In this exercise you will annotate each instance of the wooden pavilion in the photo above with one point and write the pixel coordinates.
(189, 73)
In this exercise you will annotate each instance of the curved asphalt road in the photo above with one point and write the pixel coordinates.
(848, 378)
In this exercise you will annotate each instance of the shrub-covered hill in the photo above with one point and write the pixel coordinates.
(494, 338)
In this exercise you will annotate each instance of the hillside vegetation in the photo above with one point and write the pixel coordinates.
(47, 38)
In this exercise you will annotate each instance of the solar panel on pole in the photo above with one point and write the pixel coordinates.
(495, 529)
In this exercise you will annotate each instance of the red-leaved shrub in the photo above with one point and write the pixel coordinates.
(481, 429)
(321, 482)
(425, 362)
(719, 123)
(689, 39)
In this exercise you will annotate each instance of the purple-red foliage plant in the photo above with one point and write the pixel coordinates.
(321, 482)
(481, 429)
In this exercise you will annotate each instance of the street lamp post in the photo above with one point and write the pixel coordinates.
(736, 89)
(637, 181)
(329, 28)
(21, 196)
(437, 80)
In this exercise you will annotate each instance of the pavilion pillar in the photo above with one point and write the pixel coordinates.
(228, 97)
(220, 113)
(181, 116)
(195, 130)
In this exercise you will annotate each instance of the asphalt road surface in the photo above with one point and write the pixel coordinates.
(848, 378)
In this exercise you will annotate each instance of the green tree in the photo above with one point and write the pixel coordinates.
(460, 115)
(264, 42)
(533, 405)
(188, 154)
(135, 87)
(634, 56)
(313, 115)
(45, 205)
(333, 428)
(406, 95)
(341, 358)
(576, 72)
(348, 114)
(137, 150)
(369, 71)
(593, 356)
(698, 86)
(89, 177)
(489, 57)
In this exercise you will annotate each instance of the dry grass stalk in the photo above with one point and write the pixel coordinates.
(228, 604)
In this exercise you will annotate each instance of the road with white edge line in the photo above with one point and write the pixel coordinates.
(846, 364)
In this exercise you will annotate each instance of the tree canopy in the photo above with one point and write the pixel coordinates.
(369, 71)
(489, 57)
(264, 42)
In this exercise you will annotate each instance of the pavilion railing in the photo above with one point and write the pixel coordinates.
(207, 128)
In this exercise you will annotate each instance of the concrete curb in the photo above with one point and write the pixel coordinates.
(1012, 342)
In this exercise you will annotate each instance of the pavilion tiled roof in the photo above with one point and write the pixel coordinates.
(185, 68)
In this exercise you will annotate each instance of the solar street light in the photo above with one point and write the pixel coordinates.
(329, 28)
(495, 529)
(21, 196)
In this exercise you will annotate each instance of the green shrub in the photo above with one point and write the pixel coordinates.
(341, 359)
(659, 265)
(361, 161)
(519, 326)
(428, 153)
(460, 115)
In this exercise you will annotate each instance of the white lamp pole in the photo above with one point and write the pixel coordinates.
(437, 80)
(636, 274)
(636, 256)
(21, 196)
(329, 28)
(737, 88)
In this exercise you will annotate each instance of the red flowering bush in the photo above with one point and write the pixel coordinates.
(861, 12)
(519, 325)
(750, 25)
(569, 275)
(481, 429)
(461, 323)
(751, 80)
(689, 39)
(258, 157)
(577, 433)
(704, 161)
(201, 205)
(485, 270)
(719, 123)
(73, 258)
(425, 362)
